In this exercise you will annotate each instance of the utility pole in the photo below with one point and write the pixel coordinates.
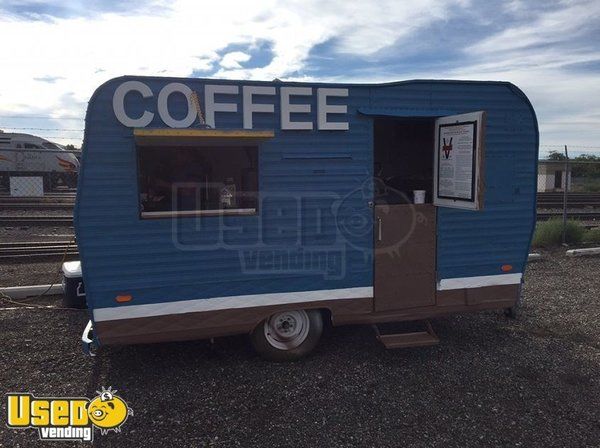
(565, 196)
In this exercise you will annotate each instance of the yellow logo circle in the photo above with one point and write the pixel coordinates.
(108, 411)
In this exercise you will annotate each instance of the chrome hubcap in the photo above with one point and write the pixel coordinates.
(287, 330)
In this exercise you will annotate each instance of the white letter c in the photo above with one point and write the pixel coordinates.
(119, 104)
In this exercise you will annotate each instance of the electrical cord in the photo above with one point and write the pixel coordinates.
(25, 302)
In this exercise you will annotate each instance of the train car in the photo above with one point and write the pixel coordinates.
(25, 155)
(208, 208)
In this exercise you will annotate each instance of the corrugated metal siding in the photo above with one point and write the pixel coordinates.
(473, 243)
(158, 260)
(324, 174)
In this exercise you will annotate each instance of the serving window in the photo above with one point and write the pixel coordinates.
(197, 180)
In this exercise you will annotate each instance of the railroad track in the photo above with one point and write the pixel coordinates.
(36, 203)
(57, 220)
(31, 206)
(37, 249)
(574, 200)
(544, 216)
(49, 200)
(45, 197)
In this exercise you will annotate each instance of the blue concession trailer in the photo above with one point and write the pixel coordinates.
(215, 207)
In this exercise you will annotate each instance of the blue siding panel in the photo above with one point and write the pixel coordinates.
(324, 174)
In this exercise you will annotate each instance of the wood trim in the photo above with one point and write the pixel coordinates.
(204, 133)
(474, 299)
(188, 213)
(480, 181)
(297, 299)
(206, 324)
(419, 313)
(225, 322)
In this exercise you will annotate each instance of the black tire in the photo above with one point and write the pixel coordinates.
(512, 312)
(271, 343)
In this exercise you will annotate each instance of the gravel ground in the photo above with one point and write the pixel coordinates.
(35, 233)
(532, 382)
(41, 211)
(26, 273)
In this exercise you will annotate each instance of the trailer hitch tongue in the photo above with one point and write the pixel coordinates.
(87, 341)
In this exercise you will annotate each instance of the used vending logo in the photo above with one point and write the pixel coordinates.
(68, 419)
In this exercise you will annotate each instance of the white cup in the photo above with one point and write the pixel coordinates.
(419, 196)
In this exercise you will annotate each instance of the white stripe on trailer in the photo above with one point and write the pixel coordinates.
(231, 302)
(479, 282)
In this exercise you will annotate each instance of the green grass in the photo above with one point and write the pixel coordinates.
(592, 236)
(549, 233)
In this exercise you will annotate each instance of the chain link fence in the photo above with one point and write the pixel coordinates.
(569, 194)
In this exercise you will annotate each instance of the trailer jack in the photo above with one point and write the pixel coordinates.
(88, 344)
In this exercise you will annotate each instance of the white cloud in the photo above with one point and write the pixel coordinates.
(538, 57)
(80, 53)
(176, 38)
(233, 59)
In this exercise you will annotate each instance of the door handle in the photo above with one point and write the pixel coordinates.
(379, 230)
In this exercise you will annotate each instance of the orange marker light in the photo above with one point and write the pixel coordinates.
(122, 299)
(506, 268)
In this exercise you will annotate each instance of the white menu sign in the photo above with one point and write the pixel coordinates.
(456, 150)
(459, 161)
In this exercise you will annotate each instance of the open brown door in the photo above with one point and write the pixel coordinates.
(404, 256)
(404, 246)
(451, 175)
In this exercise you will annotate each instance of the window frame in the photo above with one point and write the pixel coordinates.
(170, 214)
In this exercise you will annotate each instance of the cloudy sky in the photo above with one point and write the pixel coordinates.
(54, 54)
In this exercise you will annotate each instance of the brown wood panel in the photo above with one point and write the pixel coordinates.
(207, 324)
(405, 291)
(404, 256)
(200, 325)
(411, 258)
(486, 294)
(451, 297)
(414, 221)
(419, 313)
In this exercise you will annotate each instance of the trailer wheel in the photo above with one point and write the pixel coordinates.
(288, 335)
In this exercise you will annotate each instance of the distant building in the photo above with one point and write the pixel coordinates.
(552, 176)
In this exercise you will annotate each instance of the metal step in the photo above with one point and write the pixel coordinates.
(412, 339)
